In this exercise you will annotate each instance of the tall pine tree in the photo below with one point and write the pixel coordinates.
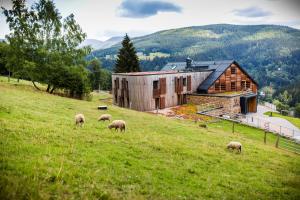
(127, 60)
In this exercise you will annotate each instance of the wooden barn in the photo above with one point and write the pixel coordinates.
(145, 91)
(222, 83)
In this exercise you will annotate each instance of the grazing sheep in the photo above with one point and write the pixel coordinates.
(104, 117)
(79, 119)
(117, 124)
(235, 145)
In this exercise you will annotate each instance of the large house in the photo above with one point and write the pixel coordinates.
(222, 86)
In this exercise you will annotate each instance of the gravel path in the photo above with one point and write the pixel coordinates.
(277, 124)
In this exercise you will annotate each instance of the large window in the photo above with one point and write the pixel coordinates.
(233, 86)
(155, 85)
(184, 81)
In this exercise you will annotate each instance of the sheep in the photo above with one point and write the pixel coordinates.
(117, 124)
(235, 145)
(104, 117)
(79, 119)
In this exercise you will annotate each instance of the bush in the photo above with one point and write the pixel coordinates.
(297, 110)
(280, 106)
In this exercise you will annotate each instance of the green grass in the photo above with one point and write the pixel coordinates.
(293, 120)
(44, 156)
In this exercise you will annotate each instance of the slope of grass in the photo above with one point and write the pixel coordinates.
(44, 156)
(293, 120)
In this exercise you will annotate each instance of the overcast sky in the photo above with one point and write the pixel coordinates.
(102, 19)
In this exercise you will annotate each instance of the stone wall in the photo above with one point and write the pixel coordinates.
(230, 104)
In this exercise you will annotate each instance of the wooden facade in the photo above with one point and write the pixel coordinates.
(233, 79)
(146, 91)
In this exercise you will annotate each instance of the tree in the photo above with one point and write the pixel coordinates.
(95, 73)
(19, 19)
(127, 60)
(284, 97)
(280, 106)
(45, 49)
(3, 57)
(297, 110)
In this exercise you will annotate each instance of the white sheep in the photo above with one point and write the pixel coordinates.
(104, 117)
(235, 145)
(117, 124)
(79, 119)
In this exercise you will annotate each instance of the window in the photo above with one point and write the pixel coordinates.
(233, 70)
(184, 81)
(155, 85)
(243, 85)
(223, 87)
(247, 84)
(117, 83)
(217, 86)
(233, 86)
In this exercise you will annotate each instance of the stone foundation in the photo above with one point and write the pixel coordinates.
(230, 104)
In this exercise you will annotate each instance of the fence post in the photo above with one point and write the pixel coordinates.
(277, 141)
(267, 128)
(232, 127)
(293, 133)
(280, 130)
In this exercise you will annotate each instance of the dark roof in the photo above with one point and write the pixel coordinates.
(220, 69)
(217, 68)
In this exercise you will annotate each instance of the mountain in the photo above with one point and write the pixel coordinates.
(270, 53)
(111, 41)
(95, 44)
(98, 44)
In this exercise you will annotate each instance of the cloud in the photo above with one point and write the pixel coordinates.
(251, 12)
(145, 8)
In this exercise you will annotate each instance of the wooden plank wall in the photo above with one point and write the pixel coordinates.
(140, 89)
(228, 79)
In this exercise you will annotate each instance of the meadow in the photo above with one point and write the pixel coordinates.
(43, 155)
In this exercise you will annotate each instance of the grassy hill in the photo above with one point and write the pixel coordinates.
(44, 156)
(270, 53)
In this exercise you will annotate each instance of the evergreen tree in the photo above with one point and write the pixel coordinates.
(127, 60)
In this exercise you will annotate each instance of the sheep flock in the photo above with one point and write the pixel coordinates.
(121, 125)
(116, 124)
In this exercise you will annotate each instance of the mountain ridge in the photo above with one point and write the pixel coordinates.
(99, 44)
(270, 53)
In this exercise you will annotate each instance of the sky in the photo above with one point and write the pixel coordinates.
(102, 19)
